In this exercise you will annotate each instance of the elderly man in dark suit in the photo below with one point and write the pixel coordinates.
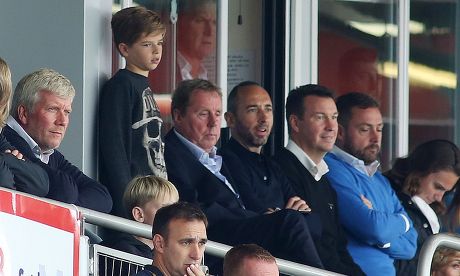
(198, 173)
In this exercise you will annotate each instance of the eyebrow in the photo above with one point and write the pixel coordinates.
(193, 239)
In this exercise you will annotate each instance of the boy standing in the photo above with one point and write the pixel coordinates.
(129, 120)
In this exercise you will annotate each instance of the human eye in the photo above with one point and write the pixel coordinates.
(252, 109)
(269, 108)
(147, 44)
(364, 129)
(320, 117)
(335, 116)
(186, 242)
(379, 128)
(203, 113)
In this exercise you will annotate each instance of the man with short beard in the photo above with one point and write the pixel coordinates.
(262, 185)
(378, 228)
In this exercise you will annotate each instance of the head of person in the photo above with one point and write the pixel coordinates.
(249, 260)
(179, 237)
(196, 108)
(429, 171)
(311, 116)
(250, 115)
(42, 103)
(360, 126)
(145, 195)
(138, 34)
(5, 91)
(196, 25)
(446, 262)
(358, 71)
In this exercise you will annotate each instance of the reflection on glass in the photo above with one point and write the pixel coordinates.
(356, 39)
(432, 76)
(196, 39)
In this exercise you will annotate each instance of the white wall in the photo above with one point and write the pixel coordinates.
(72, 37)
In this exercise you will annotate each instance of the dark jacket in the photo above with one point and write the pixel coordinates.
(284, 233)
(322, 199)
(420, 224)
(67, 183)
(260, 181)
(197, 184)
(21, 175)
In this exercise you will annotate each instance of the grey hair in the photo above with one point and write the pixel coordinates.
(28, 89)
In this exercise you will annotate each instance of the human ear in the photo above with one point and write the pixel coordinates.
(294, 123)
(123, 48)
(341, 135)
(22, 115)
(138, 214)
(230, 119)
(159, 243)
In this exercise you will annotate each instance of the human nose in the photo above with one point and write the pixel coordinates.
(438, 196)
(209, 28)
(213, 120)
(62, 118)
(195, 252)
(331, 124)
(375, 136)
(263, 115)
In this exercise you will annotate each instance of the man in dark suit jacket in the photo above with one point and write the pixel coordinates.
(40, 112)
(312, 122)
(198, 173)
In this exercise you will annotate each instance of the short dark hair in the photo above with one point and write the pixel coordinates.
(129, 24)
(232, 99)
(179, 210)
(184, 91)
(235, 256)
(348, 101)
(294, 102)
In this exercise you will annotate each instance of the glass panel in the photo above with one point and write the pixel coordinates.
(432, 74)
(357, 52)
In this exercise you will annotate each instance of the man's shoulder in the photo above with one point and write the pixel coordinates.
(335, 164)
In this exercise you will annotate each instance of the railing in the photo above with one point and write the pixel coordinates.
(139, 229)
(429, 247)
(212, 248)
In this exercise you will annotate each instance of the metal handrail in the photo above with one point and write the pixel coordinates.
(429, 247)
(143, 230)
(212, 248)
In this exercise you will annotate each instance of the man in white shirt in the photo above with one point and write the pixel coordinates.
(312, 122)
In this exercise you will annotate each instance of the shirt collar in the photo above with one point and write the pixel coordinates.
(42, 155)
(356, 163)
(198, 152)
(316, 170)
(186, 69)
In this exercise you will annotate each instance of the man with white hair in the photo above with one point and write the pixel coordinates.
(39, 117)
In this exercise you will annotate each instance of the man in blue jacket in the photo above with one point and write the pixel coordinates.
(40, 113)
(378, 228)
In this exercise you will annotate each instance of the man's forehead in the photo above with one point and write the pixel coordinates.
(316, 104)
(253, 93)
